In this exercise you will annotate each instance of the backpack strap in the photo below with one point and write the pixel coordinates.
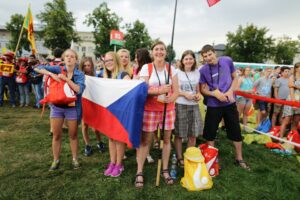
(150, 69)
(120, 75)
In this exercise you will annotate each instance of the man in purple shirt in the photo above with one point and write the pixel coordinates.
(217, 82)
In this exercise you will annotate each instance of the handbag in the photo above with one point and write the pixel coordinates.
(58, 92)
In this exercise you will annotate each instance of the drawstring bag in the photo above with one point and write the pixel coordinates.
(196, 177)
(210, 155)
(264, 126)
(58, 92)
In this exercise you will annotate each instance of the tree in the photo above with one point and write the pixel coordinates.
(14, 27)
(286, 50)
(103, 20)
(171, 54)
(250, 44)
(137, 37)
(59, 23)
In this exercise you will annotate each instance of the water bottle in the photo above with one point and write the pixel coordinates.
(173, 172)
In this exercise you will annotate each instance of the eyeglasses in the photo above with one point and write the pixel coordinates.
(108, 60)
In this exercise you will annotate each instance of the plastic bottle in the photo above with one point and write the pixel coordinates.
(173, 171)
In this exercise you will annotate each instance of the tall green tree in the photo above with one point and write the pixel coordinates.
(285, 50)
(59, 25)
(250, 44)
(14, 26)
(171, 54)
(103, 20)
(137, 36)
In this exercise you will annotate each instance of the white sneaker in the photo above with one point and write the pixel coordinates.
(150, 159)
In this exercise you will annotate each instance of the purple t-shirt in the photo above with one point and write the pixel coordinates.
(217, 76)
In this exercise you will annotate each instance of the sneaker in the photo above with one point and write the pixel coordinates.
(75, 164)
(54, 165)
(101, 147)
(109, 169)
(117, 171)
(88, 151)
(150, 159)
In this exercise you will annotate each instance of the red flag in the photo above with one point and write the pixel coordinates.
(212, 2)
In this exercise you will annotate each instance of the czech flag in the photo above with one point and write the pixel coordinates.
(115, 108)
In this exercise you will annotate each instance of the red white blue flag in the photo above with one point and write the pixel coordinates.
(115, 108)
(212, 2)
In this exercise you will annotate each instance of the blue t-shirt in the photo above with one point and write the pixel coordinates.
(217, 76)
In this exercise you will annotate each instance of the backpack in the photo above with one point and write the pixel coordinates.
(196, 177)
(264, 126)
(210, 155)
(22, 78)
(58, 92)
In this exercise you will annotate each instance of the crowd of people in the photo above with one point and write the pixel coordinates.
(181, 89)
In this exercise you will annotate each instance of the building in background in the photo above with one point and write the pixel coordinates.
(86, 47)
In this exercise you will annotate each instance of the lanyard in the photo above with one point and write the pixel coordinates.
(189, 81)
(212, 80)
(158, 76)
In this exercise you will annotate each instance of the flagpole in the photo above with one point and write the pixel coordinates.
(19, 40)
(161, 135)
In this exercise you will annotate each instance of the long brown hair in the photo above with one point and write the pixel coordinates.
(142, 57)
(81, 65)
(296, 66)
(185, 53)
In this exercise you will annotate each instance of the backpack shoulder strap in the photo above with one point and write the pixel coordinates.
(120, 75)
(150, 69)
(168, 66)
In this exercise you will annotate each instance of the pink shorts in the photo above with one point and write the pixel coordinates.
(154, 118)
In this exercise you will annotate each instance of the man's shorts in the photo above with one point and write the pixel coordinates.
(213, 118)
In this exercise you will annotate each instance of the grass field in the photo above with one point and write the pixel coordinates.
(25, 156)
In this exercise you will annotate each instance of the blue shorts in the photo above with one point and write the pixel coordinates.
(262, 105)
(69, 113)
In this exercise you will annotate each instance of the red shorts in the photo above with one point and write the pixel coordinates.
(154, 118)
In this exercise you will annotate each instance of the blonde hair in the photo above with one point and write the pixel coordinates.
(128, 68)
(72, 50)
(116, 63)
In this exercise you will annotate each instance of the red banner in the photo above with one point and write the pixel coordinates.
(267, 99)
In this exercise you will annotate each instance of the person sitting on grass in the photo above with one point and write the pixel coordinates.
(71, 112)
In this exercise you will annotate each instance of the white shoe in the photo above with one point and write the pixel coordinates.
(150, 159)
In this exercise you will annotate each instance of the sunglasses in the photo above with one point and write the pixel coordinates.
(108, 60)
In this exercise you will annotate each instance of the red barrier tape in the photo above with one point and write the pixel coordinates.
(270, 100)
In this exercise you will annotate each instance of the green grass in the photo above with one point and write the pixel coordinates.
(25, 156)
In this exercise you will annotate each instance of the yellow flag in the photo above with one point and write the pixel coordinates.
(28, 25)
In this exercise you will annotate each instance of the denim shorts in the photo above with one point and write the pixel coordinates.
(69, 113)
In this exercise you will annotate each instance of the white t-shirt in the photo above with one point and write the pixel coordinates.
(187, 83)
(163, 75)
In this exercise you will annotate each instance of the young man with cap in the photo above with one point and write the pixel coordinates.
(217, 82)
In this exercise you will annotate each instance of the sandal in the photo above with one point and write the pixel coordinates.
(137, 183)
(242, 164)
(180, 162)
(168, 180)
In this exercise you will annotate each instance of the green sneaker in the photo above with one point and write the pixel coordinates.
(54, 166)
(75, 164)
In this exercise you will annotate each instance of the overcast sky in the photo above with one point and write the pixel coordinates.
(196, 23)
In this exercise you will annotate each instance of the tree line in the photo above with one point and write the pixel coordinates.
(246, 44)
